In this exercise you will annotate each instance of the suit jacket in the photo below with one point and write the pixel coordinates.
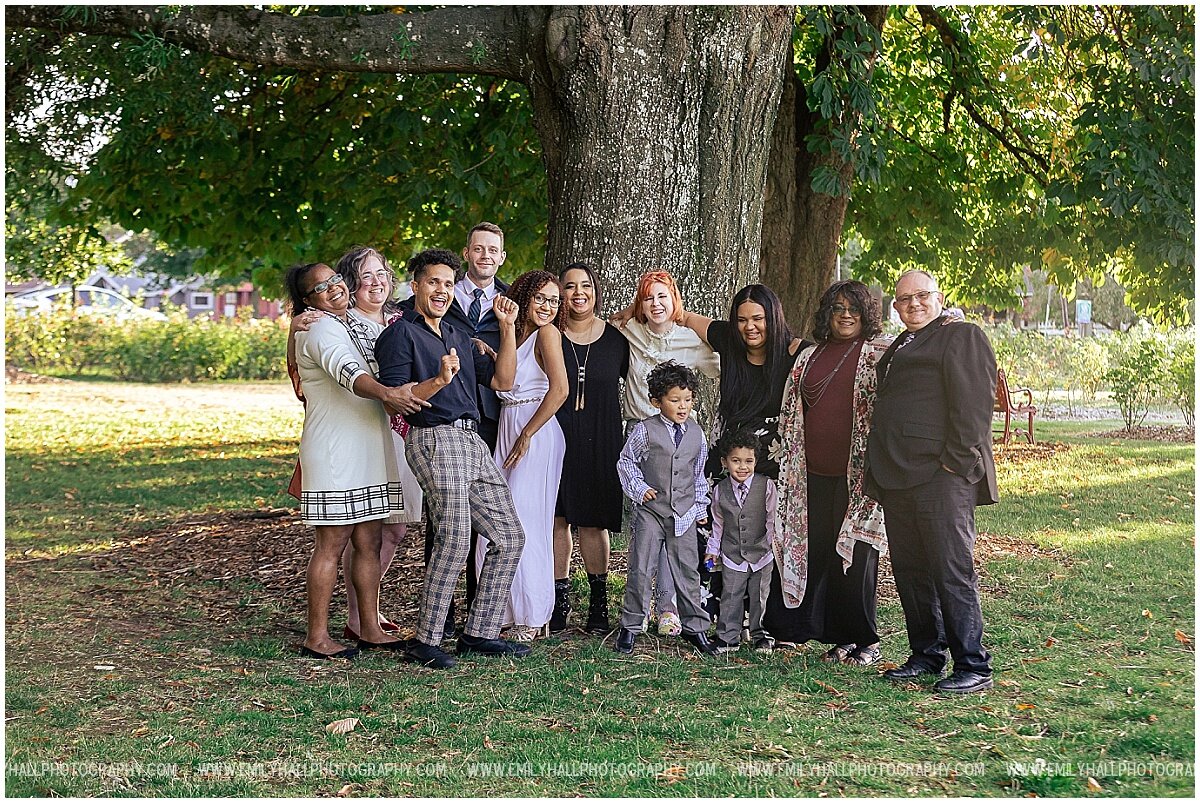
(488, 330)
(933, 407)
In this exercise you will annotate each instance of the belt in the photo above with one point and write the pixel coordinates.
(469, 424)
(518, 402)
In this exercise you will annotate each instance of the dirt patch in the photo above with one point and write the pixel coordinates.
(1170, 433)
(1027, 452)
(15, 376)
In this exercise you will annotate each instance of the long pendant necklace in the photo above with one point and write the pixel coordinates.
(580, 373)
(813, 393)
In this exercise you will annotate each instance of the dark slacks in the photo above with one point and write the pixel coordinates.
(931, 537)
(838, 607)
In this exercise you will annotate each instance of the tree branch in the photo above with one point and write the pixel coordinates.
(484, 40)
(1030, 160)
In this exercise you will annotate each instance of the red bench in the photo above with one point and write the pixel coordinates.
(1008, 403)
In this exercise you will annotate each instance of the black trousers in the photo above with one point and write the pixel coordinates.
(838, 607)
(489, 430)
(931, 537)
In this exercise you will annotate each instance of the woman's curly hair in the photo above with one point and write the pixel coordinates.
(526, 287)
(859, 296)
(351, 263)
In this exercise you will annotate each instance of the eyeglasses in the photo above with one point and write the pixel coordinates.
(923, 296)
(321, 287)
(842, 309)
(547, 301)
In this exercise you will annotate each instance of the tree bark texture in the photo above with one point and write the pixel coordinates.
(802, 229)
(655, 122)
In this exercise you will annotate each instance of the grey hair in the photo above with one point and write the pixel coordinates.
(924, 273)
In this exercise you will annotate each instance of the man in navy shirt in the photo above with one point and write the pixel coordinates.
(462, 485)
(470, 311)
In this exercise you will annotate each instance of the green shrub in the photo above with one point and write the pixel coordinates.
(1181, 374)
(178, 349)
(1137, 374)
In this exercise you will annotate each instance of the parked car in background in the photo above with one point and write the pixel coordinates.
(91, 300)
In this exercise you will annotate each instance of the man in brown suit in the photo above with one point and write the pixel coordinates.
(929, 462)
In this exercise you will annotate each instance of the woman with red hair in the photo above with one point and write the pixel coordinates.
(655, 335)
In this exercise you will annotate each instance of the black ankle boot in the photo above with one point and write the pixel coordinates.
(562, 606)
(597, 621)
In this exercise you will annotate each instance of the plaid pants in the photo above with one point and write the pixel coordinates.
(462, 488)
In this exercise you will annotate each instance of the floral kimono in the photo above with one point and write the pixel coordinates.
(864, 516)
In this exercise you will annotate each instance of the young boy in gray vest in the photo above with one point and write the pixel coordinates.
(743, 529)
(662, 472)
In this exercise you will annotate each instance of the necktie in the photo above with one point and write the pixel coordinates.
(678, 435)
(475, 308)
(739, 492)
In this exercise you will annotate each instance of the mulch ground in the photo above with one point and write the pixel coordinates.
(1170, 433)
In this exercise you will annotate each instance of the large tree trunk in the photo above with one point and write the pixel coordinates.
(655, 122)
(802, 229)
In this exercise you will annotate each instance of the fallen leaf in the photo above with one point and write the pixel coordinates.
(1182, 637)
(829, 688)
(342, 726)
(1025, 706)
(1146, 613)
(1050, 642)
(487, 743)
(347, 789)
(1093, 785)
(1152, 718)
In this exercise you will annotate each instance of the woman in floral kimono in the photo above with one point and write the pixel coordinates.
(830, 534)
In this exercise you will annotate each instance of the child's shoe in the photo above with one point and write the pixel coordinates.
(669, 624)
(764, 644)
(725, 646)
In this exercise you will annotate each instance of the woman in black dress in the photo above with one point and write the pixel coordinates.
(589, 495)
(757, 350)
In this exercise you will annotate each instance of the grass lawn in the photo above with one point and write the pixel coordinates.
(151, 621)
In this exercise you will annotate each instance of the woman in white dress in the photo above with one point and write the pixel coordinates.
(530, 447)
(347, 490)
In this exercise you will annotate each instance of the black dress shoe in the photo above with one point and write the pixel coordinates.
(701, 643)
(964, 682)
(434, 657)
(910, 670)
(399, 645)
(625, 640)
(491, 646)
(349, 652)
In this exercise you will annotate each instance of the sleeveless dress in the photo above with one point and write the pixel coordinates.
(534, 486)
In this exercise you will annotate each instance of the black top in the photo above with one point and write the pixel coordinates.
(762, 396)
(487, 330)
(410, 351)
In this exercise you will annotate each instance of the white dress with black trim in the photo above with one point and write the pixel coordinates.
(345, 471)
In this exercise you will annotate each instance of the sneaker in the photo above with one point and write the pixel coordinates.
(725, 646)
(764, 644)
(669, 624)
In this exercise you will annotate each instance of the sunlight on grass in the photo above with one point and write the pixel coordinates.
(1089, 610)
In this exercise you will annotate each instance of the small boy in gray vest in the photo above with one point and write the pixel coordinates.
(662, 472)
(743, 529)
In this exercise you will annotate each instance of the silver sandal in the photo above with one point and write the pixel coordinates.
(864, 656)
(835, 655)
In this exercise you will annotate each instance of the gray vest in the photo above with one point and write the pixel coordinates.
(744, 536)
(670, 470)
